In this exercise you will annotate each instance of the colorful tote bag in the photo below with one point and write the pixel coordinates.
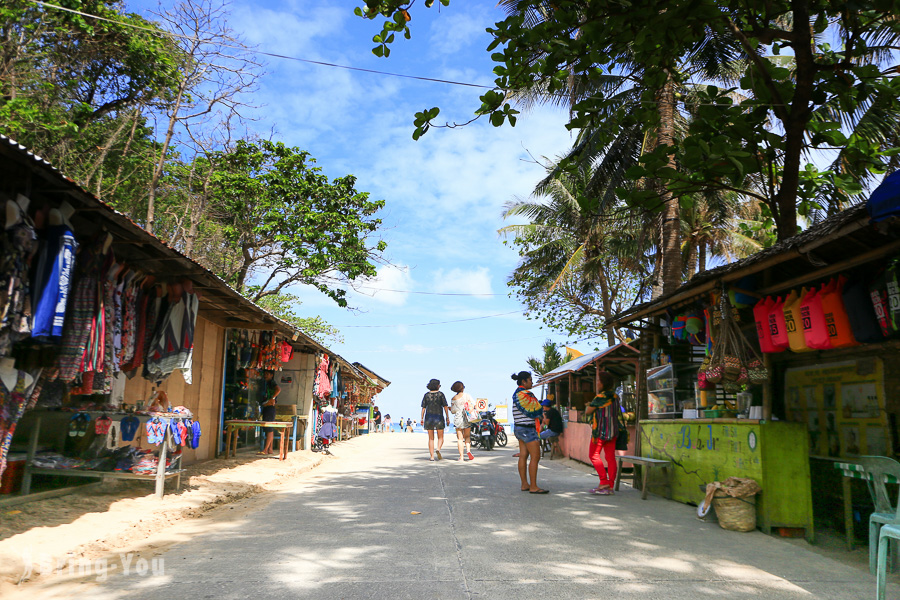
(792, 321)
(761, 315)
(836, 320)
(879, 297)
(861, 313)
(812, 318)
(777, 327)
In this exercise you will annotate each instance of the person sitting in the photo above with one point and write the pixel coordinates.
(553, 427)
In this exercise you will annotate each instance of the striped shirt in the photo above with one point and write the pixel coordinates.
(526, 408)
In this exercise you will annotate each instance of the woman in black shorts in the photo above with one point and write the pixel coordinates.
(434, 408)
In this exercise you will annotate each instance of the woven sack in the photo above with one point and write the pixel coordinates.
(757, 373)
(715, 373)
(732, 367)
(743, 377)
(735, 514)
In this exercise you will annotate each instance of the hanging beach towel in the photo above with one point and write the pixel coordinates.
(812, 318)
(792, 322)
(861, 313)
(839, 331)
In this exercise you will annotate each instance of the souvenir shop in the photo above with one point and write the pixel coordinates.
(343, 399)
(111, 343)
(774, 368)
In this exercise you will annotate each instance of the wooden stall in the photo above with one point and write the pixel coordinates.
(828, 386)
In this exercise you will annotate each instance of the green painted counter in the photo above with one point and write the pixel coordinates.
(774, 453)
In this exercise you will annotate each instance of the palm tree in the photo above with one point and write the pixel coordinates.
(584, 263)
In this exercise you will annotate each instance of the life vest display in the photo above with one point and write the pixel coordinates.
(812, 319)
(861, 313)
(777, 327)
(761, 316)
(836, 320)
(792, 322)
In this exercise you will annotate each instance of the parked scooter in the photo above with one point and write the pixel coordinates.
(484, 429)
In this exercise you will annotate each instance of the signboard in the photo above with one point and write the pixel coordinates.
(502, 413)
(842, 405)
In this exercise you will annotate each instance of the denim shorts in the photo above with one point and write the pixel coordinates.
(526, 434)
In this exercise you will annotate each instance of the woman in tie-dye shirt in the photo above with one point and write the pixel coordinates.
(527, 412)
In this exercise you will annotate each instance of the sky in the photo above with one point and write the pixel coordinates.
(444, 194)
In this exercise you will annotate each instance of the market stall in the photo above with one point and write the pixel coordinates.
(766, 367)
(572, 385)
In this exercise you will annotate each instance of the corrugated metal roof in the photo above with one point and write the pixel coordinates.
(582, 361)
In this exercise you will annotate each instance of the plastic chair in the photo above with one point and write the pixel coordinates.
(886, 512)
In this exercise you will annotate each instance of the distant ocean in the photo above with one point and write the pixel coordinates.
(416, 428)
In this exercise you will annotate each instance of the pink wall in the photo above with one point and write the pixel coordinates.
(577, 437)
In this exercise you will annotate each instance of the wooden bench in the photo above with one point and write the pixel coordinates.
(647, 463)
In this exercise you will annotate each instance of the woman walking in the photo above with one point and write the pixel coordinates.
(604, 412)
(434, 407)
(458, 406)
(527, 411)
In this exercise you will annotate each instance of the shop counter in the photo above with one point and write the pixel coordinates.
(774, 453)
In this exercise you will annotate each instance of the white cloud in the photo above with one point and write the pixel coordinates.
(461, 281)
(382, 288)
(416, 349)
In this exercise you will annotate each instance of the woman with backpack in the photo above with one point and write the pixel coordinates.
(604, 414)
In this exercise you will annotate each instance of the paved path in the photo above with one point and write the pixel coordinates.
(347, 530)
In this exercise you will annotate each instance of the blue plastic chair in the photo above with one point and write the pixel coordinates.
(886, 512)
(884, 524)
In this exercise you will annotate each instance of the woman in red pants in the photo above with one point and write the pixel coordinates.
(604, 411)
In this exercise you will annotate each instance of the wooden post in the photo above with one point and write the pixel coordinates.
(767, 389)
(32, 450)
(161, 469)
(571, 381)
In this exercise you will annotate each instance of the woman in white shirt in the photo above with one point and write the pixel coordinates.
(458, 405)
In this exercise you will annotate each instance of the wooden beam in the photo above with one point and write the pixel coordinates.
(844, 265)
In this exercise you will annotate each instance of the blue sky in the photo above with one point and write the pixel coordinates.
(444, 194)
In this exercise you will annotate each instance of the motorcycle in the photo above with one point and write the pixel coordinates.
(484, 432)
(499, 432)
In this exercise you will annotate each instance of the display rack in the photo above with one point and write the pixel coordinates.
(160, 478)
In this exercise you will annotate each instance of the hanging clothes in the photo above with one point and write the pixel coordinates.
(16, 252)
(173, 345)
(80, 315)
(323, 385)
(12, 406)
(54, 282)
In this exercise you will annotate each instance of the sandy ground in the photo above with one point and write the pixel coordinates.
(115, 515)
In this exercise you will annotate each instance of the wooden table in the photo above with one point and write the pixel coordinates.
(232, 427)
(852, 470)
(644, 462)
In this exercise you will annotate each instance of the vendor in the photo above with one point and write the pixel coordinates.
(268, 409)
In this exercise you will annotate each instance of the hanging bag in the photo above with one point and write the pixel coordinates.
(622, 437)
(812, 319)
(836, 319)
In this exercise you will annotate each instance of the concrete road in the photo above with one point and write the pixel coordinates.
(348, 530)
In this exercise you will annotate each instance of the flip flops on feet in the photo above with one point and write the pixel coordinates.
(539, 491)
(438, 454)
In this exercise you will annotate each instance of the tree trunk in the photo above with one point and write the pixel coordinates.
(670, 229)
(701, 257)
(160, 165)
(607, 309)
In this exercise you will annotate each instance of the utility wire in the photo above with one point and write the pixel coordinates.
(363, 287)
(515, 312)
(316, 62)
(261, 52)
